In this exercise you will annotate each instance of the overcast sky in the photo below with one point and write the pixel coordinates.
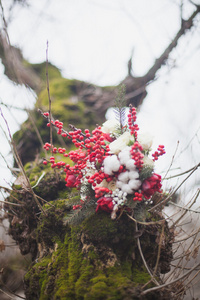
(92, 40)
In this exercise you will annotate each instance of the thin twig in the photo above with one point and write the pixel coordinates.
(185, 208)
(159, 250)
(10, 203)
(170, 283)
(197, 195)
(20, 165)
(36, 130)
(166, 200)
(49, 97)
(2, 291)
(40, 178)
(171, 161)
(143, 259)
(146, 223)
(180, 174)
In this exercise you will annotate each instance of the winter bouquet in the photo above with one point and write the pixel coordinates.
(111, 165)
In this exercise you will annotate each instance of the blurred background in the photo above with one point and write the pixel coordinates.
(93, 41)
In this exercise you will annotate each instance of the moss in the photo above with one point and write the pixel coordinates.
(141, 276)
(105, 229)
(77, 268)
(37, 279)
(53, 71)
(65, 106)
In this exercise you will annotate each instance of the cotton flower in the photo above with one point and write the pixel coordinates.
(134, 184)
(119, 184)
(111, 164)
(127, 188)
(133, 175)
(146, 140)
(124, 177)
(121, 142)
(130, 164)
(110, 126)
(124, 155)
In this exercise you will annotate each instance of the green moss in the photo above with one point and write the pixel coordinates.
(141, 276)
(105, 228)
(65, 106)
(40, 69)
(79, 268)
(37, 279)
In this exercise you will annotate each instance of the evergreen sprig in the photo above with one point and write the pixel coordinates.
(120, 106)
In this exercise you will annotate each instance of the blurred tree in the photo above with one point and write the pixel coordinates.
(20, 71)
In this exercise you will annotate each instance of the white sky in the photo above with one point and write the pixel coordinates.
(92, 40)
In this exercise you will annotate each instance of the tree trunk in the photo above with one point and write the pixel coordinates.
(81, 255)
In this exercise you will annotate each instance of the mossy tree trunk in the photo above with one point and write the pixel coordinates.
(92, 257)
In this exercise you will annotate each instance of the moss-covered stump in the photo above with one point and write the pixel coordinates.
(97, 259)
(83, 254)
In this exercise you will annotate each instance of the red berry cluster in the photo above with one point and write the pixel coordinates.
(138, 197)
(96, 178)
(98, 149)
(77, 206)
(101, 191)
(95, 151)
(160, 151)
(131, 121)
(136, 154)
(47, 146)
(59, 125)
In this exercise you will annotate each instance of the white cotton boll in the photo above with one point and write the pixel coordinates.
(111, 164)
(124, 155)
(119, 184)
(133, 175)
(134, 184)
(127, 189)
(115, 163)
(130, 164)
(107, 169)
(124, 177)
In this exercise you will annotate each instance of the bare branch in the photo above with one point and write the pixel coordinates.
(171, 282)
